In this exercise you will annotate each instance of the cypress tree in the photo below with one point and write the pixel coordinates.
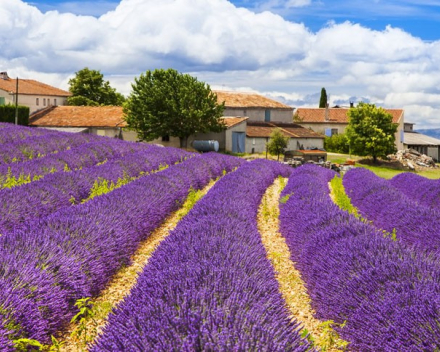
(323, 100)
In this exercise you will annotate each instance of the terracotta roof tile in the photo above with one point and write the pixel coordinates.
(79, 116)
(247, 100)
(336, 115)
(231, 121)
(31, 87)
(264, 130)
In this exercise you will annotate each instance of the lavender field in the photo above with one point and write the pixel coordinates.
(76, 208)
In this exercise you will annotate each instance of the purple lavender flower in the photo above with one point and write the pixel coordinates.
(387, 294)
(209, 285)
(74, 252)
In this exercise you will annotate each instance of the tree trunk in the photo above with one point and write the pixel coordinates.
(183, 142)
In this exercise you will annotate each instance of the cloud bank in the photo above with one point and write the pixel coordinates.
(228, 47)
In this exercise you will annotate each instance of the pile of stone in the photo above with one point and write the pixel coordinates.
(412, 159)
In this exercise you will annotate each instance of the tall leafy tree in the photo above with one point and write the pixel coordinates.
(323, 99)
(277, 143)
(370, 131)
(169, 103)
(89, 88)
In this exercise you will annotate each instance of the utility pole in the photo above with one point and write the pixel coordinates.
(16, 102)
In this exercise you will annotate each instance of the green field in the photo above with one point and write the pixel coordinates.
(382, 170)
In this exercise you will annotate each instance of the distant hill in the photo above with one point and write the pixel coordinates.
(432, 132)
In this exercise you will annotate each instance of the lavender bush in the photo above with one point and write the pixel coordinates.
(389, 209)
(37, 199)
(35, 146)
(85, 155)
(418, 188)
(74, 252)
(387, 294)
(11, 133)
(209, 285)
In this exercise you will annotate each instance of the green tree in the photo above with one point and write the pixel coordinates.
(338, 143)
(323, 99)
(277, 143)
(169, 103)
(371, 131)
(89, 88)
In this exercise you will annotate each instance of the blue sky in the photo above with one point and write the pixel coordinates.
(383, 52)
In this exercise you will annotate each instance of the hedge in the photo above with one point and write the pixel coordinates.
(7, 114)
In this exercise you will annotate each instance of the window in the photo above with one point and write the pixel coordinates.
(267, 116)
(165, 138)
(37, 101)
(253, 141)
(54, 101)
(334, 131)
(44, 101)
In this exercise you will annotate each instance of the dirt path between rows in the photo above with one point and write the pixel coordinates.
(125, 279)
(291, 285)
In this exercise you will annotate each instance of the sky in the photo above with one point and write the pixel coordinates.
(384, 52)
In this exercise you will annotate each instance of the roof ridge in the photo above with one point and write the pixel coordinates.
(40, 113)
(282, 129)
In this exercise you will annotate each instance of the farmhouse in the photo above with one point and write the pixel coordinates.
(243, 133)
(264, 115)
(109, 121)
(100, 120)
(254, 106)
(422, 143)
(330, 121)
(258, 134)
(31, 93)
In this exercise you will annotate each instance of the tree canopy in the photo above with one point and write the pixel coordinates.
(277, 143)
(169, 103)
(89, 88)
(323, 99)
(338, 143)
(370, 131)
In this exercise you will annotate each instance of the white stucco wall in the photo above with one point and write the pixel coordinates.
(259, 144)
(9, 99)
(258, 114)
(31, 100)
(321, 127)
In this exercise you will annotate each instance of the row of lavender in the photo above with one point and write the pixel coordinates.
(209, 285)
(390, 209)
(24, 205)
(37, 144)
(84, 155)
(387, 294)
(11, 133)
(424, 191)
(74, 252)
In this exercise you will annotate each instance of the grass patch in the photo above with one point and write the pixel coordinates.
(340, 197)
(384, 169)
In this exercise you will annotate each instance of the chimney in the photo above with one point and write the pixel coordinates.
(4, 75)
(326, 112)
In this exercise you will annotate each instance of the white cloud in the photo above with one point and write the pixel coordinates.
(228, 47)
